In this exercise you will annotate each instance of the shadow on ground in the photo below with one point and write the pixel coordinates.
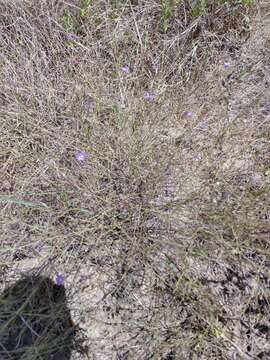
(35, 322)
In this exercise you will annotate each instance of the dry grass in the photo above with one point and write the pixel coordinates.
(162, 231)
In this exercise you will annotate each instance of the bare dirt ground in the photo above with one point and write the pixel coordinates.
(196, 284)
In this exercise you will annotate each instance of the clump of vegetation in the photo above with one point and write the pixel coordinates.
(134, 148)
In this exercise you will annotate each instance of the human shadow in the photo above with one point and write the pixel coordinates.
(35, 322)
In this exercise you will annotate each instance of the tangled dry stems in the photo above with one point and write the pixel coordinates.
(171, 208)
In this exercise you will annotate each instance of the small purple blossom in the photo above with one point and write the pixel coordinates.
(199, 157)
(227, 65)
(125, 69)
(60, 279)
(155, 68)
(83, 278)
(81, 156)
(149, 96)
(188, 114)
(71, 37)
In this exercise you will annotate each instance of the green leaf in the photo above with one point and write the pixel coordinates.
(11, 200)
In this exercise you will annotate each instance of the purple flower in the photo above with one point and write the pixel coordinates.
(81, 156)
(71, 37)
(188, 114)
(199, 157)
(125, 69)
(60, 279)
(227, 65)
(83, 278)
(149, 96)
